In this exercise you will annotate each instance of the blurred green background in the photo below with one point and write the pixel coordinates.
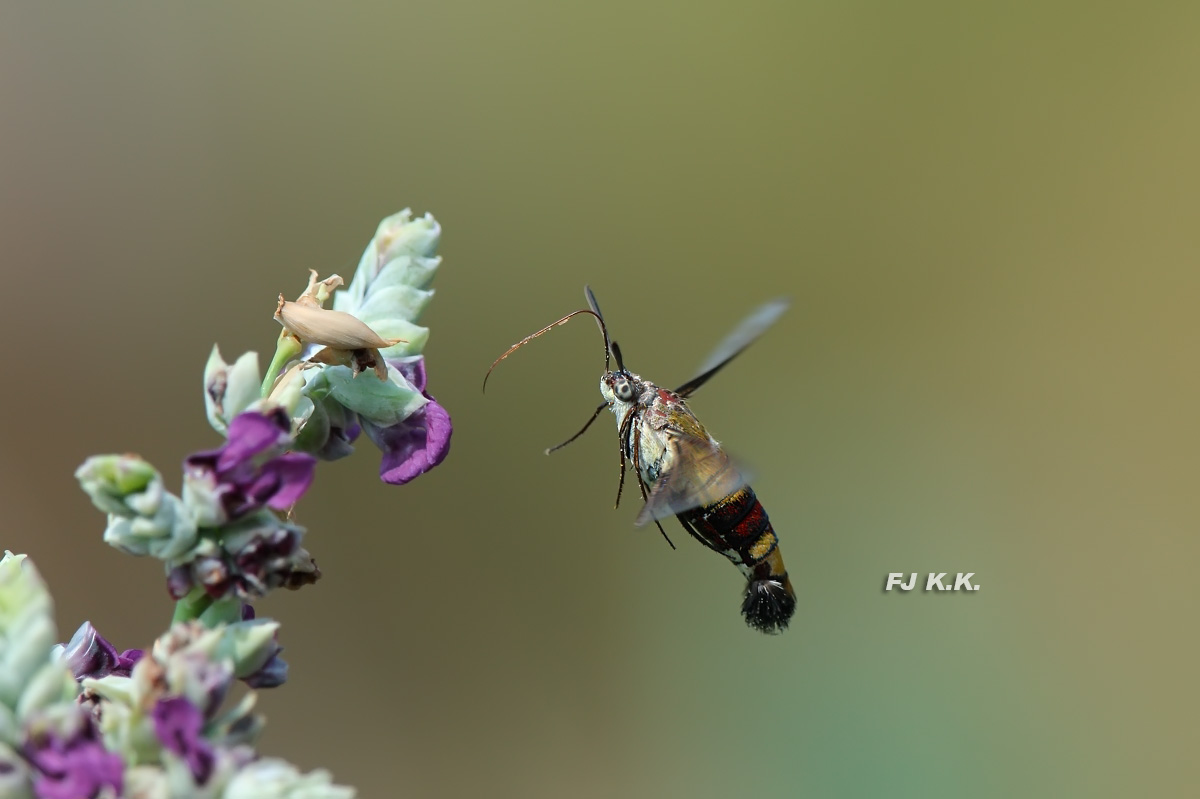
(986, 215)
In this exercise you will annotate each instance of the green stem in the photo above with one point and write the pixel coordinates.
(287, 348)
(191, 606)
(222, 611)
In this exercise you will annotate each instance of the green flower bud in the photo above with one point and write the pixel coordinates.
(167, 534)
(124, 485)
(125, 723)
(400, 234)
(52, 685)
(37, 689)
(238, 726)
(288, 393)
(229, 390)
(245, 646)
(125, 691)
(30, 679)
(143, 518)
(248, 645)
(271, 778)
(390, 289)
(15, 779)
(410, 338)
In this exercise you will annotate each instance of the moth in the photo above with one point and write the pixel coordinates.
(682, 470)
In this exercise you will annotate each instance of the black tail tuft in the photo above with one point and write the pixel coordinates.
(769, 605)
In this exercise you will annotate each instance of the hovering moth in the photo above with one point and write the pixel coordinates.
(682, 470)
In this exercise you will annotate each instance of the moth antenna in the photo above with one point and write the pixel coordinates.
(595, 306)
(616, 351)
(547, 329)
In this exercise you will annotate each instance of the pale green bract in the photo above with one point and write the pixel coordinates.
(393, 276)
(389, 292)
(35, 685)
(271, 778)
(143, 517)
(229, 390)
(155, 725)
(384, 402)
(31, 679)
(245, 645)
(38, 695)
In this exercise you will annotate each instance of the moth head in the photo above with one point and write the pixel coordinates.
(620, 387)
(623, 389)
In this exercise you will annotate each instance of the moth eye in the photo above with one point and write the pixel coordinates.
(623, 390)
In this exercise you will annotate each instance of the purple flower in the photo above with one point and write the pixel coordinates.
(252, 470)
(413, 369)
(74, 768)
(89, 655)
(127, 660)
(270, 559)
(414, 446)
(177, 723)
(420, 442)
(273, 673)
(255, 555)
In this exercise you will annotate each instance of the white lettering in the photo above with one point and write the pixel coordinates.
(897, 579)
(962, 581)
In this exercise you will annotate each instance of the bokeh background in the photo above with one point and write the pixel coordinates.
(986, 216)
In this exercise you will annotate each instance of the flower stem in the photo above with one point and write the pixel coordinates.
(222, 611)
(191, 606)
(286, 348)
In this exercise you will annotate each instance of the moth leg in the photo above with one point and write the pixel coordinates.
(622, 441)
(637, 467)
(692, 532)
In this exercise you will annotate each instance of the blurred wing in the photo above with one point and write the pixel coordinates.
(591, 300)
(699, 473)
(742, 337)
